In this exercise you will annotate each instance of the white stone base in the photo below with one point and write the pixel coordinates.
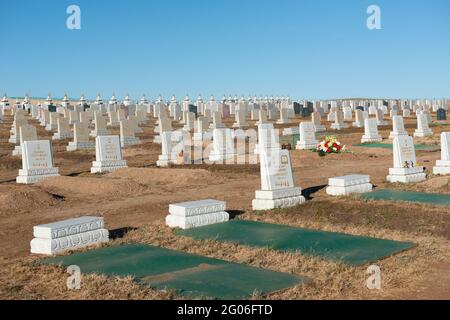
(283, 121)
(64, 135)
(76, 241)
(283, 198)
(381, 123)
(442, 168)
(36, 175)
(422, 134)
(73, 146)
(17, 151)
(339, 126)
(393, 134)
(174, 221)
(49, 127)
(14, 139)
(290, 131)
(95, 133)
(164, 160)
(129, 141)
(366, 139)
(306, 145)
(157, 139)
(358, 124)
(345, 191)
(320, 128)
(346, 185)
(406, 175)
(240, 125)
(108, 166)
(221, 157)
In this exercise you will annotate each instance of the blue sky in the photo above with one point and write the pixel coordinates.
(306, 49)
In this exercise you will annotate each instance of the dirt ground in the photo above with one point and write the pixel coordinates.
(136, 200)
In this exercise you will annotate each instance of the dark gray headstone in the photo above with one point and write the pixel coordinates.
(297, 108)
(193, 108)
(360, 108)
(441, 114)
(52, 108)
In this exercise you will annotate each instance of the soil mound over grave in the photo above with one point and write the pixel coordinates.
(173, 178)
(83, 187)
(16, 199)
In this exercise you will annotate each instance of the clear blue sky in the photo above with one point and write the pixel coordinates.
(307, 49)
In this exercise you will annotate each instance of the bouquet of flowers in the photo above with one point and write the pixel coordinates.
(330, 145)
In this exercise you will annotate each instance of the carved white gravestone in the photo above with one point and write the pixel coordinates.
(262, 117)
(398, 128)
(347, 185)
(284, 117)
(189, 121)
(53, 123)
(64, 131)
(37, 162)
(307, 139)
(371, 131)
(277, 183)
(223, 146)
(359, 119)
(405, 170)
(217, 121)
(69, 234)
(406, 113)
(422, 127)
(193, 214)
(134, 124)
(81, 138)
(339, 121)
(108, 155)
(127, 137)
(240, 119)
(73, 117)
(380, 118)
(27, 133)
(443, 165)
(348, 115)
(267, 138)
(171, 144)
(316, 120)
(99, 125)
(19, 120)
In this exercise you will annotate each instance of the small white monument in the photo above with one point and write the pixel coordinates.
(223, 146)
(398, 128)
(277, 183)
(307, 139)
(69, 234)
(350, 184)
(316, 119)
(37, 162)
(108, 155)
(127, 136)
(405, 170)
(193, 214)
(443, 165)
(27, 133)
(422, 127)
(81, 138)
(359, 119)
(339, 123)
(371, 131)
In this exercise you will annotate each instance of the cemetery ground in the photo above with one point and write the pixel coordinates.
(135, 201)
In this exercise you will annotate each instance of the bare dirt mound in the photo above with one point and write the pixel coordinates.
(172, 177)
(16, 199)
(85, 187)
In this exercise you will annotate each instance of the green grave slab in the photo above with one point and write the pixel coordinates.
(190, 275)
(409, 196)
(340, 247)
(389, 146)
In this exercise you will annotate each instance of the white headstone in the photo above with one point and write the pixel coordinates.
(443, 165)
(371, 131)
(405, 170)
(307, 139)
(108, 155)
(37, 162)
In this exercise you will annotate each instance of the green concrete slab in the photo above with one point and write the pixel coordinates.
(190, 275)
(409, 196)
(389, 146)
(350, 249)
